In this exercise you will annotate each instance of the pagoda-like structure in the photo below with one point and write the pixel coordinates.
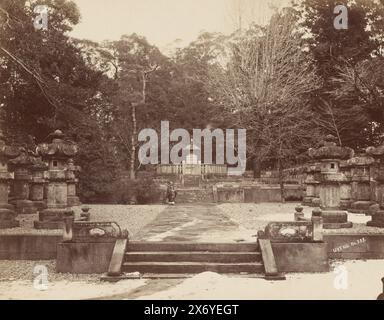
(56, 154)
(7, 212)
(377, 186)
(334, 185)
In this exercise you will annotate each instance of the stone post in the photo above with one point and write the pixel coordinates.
(360, 183)
(37, 184)
(73, 199)
(317, 223)
(377, 186)
(56, 154)
(299, 214)
(21, 166)
(7, 213)
(332, 182)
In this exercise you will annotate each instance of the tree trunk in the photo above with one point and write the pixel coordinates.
(256, 168)
(281, 180)
(132, 174)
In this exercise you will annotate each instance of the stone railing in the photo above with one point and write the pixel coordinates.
(192, 169)
(300, 230)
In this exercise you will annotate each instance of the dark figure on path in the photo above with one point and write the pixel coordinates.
(381, 295)
(171, 193)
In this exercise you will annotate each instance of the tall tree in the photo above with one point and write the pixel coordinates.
(265, 87)
(338, 54)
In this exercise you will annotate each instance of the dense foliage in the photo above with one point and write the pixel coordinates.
(288, 83)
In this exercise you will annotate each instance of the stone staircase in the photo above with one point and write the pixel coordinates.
(184, 259)
(194, 195)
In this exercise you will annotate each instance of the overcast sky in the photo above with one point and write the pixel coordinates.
(164, 21)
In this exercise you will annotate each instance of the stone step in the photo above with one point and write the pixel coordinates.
(191, 267)
(130, 276)
(191, 246)
(196, 256)
(192, 195)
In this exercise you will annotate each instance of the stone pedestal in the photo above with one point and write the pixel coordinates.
(7, 213)
(37, 185)
(360, 184)
(377, 219)
(73, 199)
(334, 184)
(21, 185)
(56, 154)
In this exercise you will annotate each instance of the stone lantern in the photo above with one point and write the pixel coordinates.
(7, 213)
(73, 199)
(360, 183)
(56, 154)
(37, 184)
(333, 185)
(311, 182)
(345, 185)
(21, 166)
(377, 186)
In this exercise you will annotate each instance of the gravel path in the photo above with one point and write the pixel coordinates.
(18, 281)
(24, 270)
(256, 216)
(131, 217)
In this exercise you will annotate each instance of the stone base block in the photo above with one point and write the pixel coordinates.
(7, 214)
(345, 204)
(25, 207)
(6, 224)
(377, 220)
(7, 219)
(29, 246)
(39, 205)
(84, 257)
(337, 225)
(315, 202)
(375, 224)
(360, 207)
(307, 201)
(73, 201)
(7, 206)
(301, 257)
(51, 225)
(52, 218)
(334, 219)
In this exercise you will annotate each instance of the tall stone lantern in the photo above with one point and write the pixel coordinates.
(56, 154)
(37, 184)
(333, 182)
(21, 165)
(73, 199)
(377, 186)
(360, 183)
(7, 213)
(311, 182)
(345, 185)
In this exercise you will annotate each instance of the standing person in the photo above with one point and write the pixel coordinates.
(171, 193)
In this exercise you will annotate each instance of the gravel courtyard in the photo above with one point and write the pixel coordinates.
(240, 223)
(130, 217)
